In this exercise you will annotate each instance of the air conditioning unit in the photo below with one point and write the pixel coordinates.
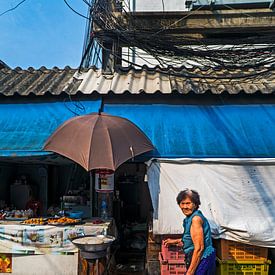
(223, 4)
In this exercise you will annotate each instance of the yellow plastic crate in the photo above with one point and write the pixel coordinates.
(242, 267)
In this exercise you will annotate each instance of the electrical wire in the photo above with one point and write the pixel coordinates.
(20, 3)
(187, 74)
(67, 4)
(87, 3)
(163, 6)
(169, 50)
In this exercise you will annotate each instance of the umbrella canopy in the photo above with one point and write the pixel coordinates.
(98, 141)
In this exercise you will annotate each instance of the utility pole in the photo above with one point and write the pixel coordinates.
(107, 53)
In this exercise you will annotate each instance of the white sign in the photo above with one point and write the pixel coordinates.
(104, 181)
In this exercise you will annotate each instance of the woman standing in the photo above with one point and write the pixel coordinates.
(200, 255)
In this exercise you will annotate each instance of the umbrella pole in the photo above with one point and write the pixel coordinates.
(92, 188)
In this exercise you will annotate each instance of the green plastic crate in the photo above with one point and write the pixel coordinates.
(242, 267)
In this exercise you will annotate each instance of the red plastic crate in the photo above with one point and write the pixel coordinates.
(172, 253)
(166, 268)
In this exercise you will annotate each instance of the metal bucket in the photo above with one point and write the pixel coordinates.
(93, 243)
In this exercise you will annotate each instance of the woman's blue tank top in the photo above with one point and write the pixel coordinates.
(186, 237)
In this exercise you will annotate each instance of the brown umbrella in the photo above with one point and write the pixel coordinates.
(98, 141)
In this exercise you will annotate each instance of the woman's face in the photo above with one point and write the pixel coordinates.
(187, 206)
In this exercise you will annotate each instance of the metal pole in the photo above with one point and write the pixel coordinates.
(92, 187)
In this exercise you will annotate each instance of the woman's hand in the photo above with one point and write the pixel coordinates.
(169, 241)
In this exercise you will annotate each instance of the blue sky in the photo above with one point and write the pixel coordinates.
(42, 33)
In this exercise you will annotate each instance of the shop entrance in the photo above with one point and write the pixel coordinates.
(131, 211)
(65, 187)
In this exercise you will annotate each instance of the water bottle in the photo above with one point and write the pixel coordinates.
(104, 213)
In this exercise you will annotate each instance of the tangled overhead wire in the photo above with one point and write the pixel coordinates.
(168, 49)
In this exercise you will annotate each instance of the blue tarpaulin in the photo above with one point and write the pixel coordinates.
(177, 131)
(24, 128)
(200, 131)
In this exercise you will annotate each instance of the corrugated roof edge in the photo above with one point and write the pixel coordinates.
(31, 81)
(131, 80)
(184, 81)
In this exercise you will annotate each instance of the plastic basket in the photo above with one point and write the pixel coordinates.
(167, 268)
(242, 268)
(173, 253)
(230, 250)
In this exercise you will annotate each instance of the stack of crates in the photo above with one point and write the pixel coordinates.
(152, 253)
(236, 258)
(172, 260)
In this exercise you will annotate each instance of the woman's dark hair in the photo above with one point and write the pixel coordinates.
(192, 194)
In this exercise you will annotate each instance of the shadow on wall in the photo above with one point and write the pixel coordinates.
(265, 193)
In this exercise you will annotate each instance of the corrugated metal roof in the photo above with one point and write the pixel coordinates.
(182, 80)
(37, 81)
(135, 81)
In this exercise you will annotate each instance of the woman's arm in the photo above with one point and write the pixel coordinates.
(197, 236)
(169, 241)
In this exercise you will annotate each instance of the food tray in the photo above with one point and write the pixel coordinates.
(93, 243)
(77, 221)
(15, 219)
(33, 224)
(64, 224)
(42, 221)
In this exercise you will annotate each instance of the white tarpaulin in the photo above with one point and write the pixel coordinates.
(237, 196)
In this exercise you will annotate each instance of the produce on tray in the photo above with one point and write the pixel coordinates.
(35, 221)
(15, 214)
(62, 220)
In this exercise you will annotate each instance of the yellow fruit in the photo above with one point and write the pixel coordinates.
(8, 261)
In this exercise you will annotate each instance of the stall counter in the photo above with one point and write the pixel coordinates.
(44, 249)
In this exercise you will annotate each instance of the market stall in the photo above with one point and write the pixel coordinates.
(42, 207)
(41, 195)
(49, 245)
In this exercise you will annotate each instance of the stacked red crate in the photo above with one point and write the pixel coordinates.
(172, 260)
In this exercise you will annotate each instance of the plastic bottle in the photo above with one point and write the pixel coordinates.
(62, 211)
(104, 213)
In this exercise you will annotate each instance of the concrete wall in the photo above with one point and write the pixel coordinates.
(138, 56)
(156, 5)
